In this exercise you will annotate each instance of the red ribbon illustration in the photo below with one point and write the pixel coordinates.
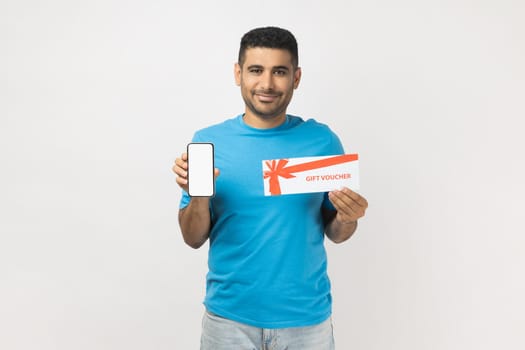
(277, 168)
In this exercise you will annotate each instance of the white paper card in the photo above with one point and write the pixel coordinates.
(310, 174)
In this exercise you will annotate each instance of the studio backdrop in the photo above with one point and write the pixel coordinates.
(98, 98)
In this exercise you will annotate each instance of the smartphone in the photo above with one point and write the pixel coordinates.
(201, 179)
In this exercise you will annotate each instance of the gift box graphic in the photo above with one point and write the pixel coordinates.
(310, 174)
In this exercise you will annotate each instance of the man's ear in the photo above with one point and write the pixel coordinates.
(237, 73)
(297, 77)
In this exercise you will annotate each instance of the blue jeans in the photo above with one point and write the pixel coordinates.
(222, 334)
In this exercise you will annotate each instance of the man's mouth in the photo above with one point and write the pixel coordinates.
(266, 97)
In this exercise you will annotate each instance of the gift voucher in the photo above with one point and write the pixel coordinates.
(310, 174)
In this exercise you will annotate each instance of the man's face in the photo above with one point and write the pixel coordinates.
(267, 79)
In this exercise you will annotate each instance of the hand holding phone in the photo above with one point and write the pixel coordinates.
(201, 178)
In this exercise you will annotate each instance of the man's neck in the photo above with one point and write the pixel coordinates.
(263, 123)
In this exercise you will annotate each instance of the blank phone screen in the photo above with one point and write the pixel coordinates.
(200, 170)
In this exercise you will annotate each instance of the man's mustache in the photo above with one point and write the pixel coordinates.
(267, 93)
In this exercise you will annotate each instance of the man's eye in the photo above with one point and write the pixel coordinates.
(255, 70)
(280, 72)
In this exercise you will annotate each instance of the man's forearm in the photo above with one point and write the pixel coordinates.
(338, 231)
(195, 222)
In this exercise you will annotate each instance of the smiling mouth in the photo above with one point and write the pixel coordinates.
(266, 97)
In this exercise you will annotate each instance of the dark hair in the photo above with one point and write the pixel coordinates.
(269, 37)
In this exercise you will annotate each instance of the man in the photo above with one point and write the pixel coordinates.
(267, 285)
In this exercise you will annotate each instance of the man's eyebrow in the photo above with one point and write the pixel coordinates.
(273, 68)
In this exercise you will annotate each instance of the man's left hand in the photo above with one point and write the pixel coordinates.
(350, 205)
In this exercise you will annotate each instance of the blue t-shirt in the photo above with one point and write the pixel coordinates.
(267, 261)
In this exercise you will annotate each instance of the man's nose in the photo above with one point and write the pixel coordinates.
(267, 82)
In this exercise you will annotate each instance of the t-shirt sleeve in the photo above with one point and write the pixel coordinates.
(185, 200)
(336, 148)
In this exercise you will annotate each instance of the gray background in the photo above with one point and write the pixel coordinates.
(98, 97)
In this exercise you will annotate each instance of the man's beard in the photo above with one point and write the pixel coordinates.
(267, 115)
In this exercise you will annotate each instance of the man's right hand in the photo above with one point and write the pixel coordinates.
(180, 168)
